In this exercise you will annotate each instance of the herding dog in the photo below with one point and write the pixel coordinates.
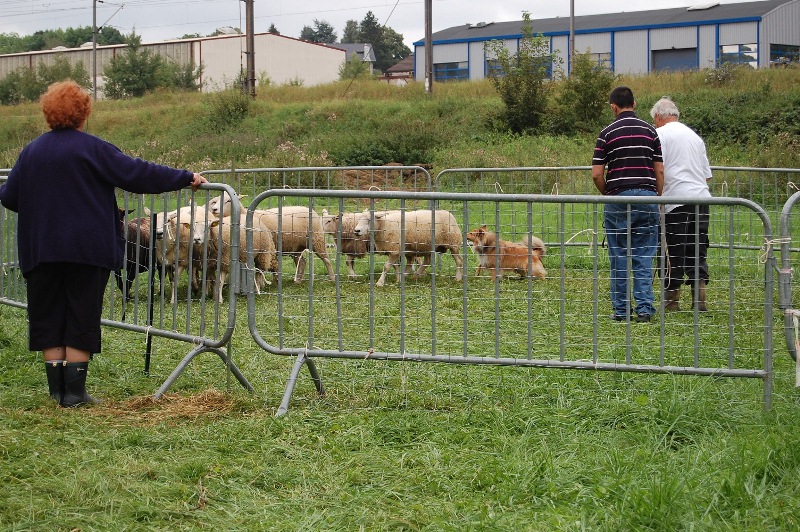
(513, 256)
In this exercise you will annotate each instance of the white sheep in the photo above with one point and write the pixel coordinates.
(351, 245)
(290, 225)
(417, 232)
(219, 258)
(173, 244)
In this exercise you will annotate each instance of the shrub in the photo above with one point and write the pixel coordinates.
(521, 79)
(584, 95)
(133, 73)
(227, 107)
(27, 85)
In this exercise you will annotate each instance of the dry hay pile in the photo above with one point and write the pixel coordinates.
(170, 407)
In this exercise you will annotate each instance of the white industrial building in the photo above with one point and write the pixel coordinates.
(635, 42)
(281, 59)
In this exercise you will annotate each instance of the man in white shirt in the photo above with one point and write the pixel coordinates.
(686, 172)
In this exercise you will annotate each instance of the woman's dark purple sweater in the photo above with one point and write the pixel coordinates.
(62, 187)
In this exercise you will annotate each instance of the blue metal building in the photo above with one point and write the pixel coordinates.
(707, 35)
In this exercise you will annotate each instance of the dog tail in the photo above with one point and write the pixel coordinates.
(537, 245)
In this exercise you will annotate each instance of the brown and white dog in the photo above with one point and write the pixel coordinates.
(513, 256)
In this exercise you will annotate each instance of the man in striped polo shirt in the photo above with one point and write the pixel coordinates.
(627, 162)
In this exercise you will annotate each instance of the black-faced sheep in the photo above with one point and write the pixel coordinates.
(342, 228)
(417, 241)
(137, 252)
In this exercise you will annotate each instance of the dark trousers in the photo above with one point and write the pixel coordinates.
(686, 231)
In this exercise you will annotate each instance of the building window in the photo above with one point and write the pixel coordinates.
(783, 53)
(450, 71)
(603, 60)
(493, 69)
(740, 54)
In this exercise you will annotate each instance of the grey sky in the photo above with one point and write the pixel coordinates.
(157, 20)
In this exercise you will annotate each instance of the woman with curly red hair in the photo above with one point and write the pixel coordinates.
(68, 232)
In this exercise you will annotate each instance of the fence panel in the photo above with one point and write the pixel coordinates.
(560, 322)
(140, 298)
(789, 256)
(769, 187)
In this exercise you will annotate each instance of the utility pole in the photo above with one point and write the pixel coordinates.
(94, 49)
(428, 47)
(250, 82)
(571, 34)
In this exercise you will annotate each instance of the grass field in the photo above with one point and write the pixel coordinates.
(408, 445)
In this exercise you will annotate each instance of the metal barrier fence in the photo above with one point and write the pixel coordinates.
(470, 321)
(769, 187)
(133, 301)
(787, 304)
(561, 322)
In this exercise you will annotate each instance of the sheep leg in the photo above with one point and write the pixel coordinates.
(391, 261)
(219, 284)
(323, 255)
(459, 263)
(351, 271)
(422, 265)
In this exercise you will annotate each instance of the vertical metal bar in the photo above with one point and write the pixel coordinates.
(464, 289)
(731, 287)
(433, 279)
(497, 278)
(595, 282)
(562, 287)
(402, 259)
(629, 285)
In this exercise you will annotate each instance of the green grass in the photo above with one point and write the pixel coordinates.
(411, 446)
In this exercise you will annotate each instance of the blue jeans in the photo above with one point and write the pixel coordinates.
(640, 224)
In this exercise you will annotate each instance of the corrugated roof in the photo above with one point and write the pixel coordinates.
(405, 65)
(679, 16)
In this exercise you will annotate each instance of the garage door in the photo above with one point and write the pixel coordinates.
(680, 59)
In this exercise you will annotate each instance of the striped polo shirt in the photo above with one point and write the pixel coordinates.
(627, 148)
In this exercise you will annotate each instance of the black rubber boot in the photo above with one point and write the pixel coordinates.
(75, 385)
(55, 379)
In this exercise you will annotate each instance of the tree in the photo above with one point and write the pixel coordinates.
(273, 30)
(44, 40)
(132, 73)
(355, 67)
(521, 76)
(371, 32)
(392, 49)
(322, 32)
(350, 33)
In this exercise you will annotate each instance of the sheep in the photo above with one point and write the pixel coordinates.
(342, 228)
(219, 260)
(173, 245)
(387, 225)
(293, 231)
(352, 246)
(137, 252)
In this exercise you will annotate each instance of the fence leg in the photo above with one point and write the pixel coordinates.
(290, 384)
(189, 357)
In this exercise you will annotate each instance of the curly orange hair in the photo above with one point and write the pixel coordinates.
(66, 105)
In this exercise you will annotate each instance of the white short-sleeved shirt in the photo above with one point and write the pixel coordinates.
(686, 166)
